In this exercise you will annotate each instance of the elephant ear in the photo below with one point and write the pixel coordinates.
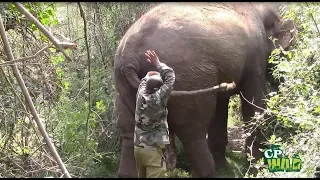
(283, 30)
(286, 34)
(286, 31)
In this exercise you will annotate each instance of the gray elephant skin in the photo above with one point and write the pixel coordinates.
(206, 44)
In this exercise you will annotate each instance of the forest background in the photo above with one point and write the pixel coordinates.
(74, 97)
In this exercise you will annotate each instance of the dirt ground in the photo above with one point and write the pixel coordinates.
(236, 140)
(235, 155)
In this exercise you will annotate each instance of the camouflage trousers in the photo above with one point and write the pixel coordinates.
(150, 162)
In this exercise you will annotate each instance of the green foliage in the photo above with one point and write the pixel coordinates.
(177, 173)
(234, 167)
(295, 108)
(101, 154)
(234, 112)
(55, 60)
(66, 115)
(44, 12)
(105, 166)
(296, 105)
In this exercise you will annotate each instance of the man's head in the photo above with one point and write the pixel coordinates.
(154, 82)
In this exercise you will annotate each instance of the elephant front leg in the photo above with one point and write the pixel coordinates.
(253, 141)
(218, 134)
(251, 99)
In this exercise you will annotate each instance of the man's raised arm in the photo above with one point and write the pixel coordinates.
(166, 73)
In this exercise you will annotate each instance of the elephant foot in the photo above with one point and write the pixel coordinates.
(201, 159)
(249, 166)
(316, 173)
(219, 157)
(170, 153)
(193, 173)
(253, 146)
(251, 172)
(127, 166)
(126, 176)
(171, 162)
(210, 175)
(220, 163)
(249, 169)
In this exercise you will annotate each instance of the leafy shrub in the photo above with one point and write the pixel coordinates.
(295, 108)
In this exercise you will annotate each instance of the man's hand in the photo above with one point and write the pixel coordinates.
(152, 57)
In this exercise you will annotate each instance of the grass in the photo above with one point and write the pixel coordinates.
(234, 167)
(234, 112)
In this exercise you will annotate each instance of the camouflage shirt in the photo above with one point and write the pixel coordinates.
(151, 127)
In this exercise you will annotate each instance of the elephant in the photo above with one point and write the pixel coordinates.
(206, 44)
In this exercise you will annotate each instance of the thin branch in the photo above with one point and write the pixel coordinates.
(24, 58)
(89, 74)
(19, 99)
(252, 103)
(29, 100)
(75, 40)
(54, 40)
(12, 88)
(314, 21)
(265, 120)
(64, 45)
(79, 91)
(251, 155)
(16, 95)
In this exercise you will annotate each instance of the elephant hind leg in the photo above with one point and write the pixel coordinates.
(190, 121)
(218, 133)
(127, 168)
(200, 157)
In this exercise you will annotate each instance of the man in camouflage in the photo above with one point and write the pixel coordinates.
(151, 128)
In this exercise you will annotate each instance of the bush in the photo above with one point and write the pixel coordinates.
(295, 108)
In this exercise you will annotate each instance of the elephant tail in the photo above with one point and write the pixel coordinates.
(225, 87)
(218, 88)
